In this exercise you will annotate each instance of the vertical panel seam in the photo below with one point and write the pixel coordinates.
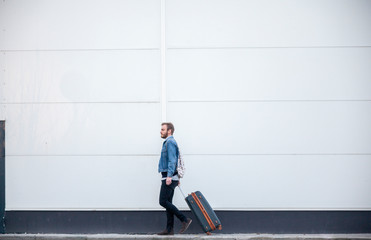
(163, 63)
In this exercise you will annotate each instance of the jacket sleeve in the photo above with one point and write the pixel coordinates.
(172, 161)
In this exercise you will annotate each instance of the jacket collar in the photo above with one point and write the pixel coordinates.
(168, 138)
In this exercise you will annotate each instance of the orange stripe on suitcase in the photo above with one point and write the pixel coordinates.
(208, 219)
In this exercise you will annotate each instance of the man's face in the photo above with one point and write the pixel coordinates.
(164, 132)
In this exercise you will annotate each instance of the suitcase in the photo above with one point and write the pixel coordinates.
(203, 212)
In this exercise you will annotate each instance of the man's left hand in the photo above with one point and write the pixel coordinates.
(168, 180)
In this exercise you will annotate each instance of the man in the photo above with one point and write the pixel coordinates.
(170, 180)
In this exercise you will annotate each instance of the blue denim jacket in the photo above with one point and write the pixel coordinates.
(169, 156)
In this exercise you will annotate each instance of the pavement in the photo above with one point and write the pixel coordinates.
(183, 236)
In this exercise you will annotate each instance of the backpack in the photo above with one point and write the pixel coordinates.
(180, 168)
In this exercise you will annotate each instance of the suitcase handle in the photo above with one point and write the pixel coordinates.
(182, 192)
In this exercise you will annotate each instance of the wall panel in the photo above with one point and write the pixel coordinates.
(83, 129)
(269, 74)
(81, 182)
(82, 76)
(268, 23)
(2, 83)
(280, 182)
(273, 127)
(2, 111)
(82, 24)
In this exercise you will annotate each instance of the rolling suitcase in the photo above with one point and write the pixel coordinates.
(203, 212)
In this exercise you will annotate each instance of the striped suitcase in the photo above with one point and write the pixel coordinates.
(203, 212)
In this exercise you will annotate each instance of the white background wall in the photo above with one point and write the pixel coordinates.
(271, 102)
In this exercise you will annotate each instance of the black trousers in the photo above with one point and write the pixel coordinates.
(166, 200)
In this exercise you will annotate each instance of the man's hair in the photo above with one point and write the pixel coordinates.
(169, 126)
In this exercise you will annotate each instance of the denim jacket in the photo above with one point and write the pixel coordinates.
(169, 156)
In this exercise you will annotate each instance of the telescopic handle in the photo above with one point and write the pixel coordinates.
(181, 192)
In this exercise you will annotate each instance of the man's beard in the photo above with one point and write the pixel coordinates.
(164, 136)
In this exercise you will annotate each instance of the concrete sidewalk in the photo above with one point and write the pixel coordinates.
(183, 236)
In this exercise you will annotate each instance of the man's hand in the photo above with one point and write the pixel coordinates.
(168, 180)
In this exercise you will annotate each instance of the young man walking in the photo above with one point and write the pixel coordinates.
(170, 180)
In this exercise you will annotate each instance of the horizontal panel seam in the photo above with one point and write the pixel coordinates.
(82, 155)
(280, 154)
(185, 154)
(79, 50)
(172, 48)
(12, 209)
(186, 101)
(261, 47)
(288, 100)
(16, 103)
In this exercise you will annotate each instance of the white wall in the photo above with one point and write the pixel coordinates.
(82, 95)
(271, 102)
(2, 85)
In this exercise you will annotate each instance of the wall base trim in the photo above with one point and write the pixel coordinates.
(147, 222)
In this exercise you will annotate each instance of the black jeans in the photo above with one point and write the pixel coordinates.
(166, 200)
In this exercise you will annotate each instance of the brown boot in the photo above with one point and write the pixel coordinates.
(185, 225)
(166, 232)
